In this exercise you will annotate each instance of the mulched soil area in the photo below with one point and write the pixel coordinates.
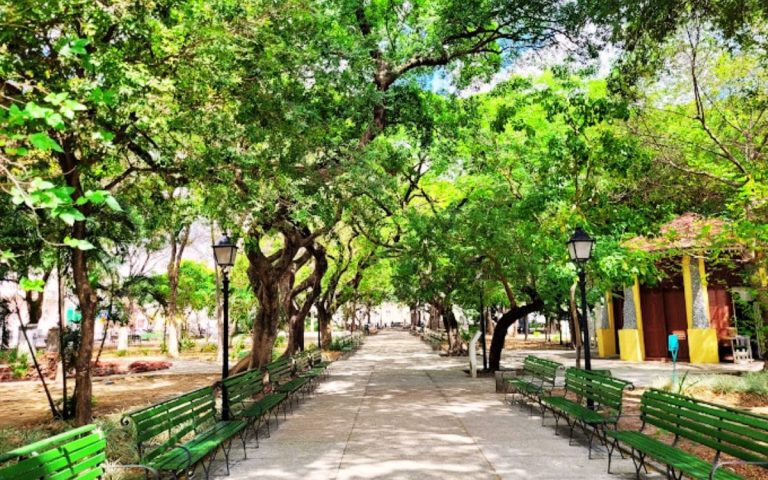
(100, 369)
(24, 403)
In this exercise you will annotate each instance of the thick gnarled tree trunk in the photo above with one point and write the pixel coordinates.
(500, 332)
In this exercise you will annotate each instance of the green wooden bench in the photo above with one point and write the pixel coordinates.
(176, 435)
(595, 401)
(74, 454)
(250, 402)
(346, 344)
(282, 379)
(316, 358)
(537, 380)
(305, 369)
(436, 338)
(738, 434)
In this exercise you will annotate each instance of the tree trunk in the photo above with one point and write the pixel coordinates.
(87, 300)
(296, 334)
(452, 331)
(500, 332)
(265, 325)
(178, 242)
(325, 319)
(414, 317)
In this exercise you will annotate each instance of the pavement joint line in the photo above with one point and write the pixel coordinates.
(354, 420)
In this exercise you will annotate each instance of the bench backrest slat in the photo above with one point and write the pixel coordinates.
(541, 369)
(242, 388)
(280, 370)
(316, 356)
(605, 391)
(78, 453)
(161, 426)
(302, 362)
(737, 433)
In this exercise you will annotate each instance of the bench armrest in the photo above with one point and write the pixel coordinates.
(717, 466)
(187, 451)
(130, 466)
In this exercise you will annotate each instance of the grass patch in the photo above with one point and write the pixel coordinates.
(753, 383)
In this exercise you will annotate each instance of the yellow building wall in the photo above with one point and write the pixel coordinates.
(631, 345)
(606, 340)
(702, 345)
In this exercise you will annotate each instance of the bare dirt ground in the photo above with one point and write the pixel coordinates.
(538, 343)
(24, 403)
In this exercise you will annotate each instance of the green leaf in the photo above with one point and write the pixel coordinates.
(69, 107)
(102, 97)
(56, 98)
(40, 184)
(43, 142)
(103, 135)
(32, 285)
(16, 116)
(6, 256)
(68, 215)
(75, 47)
(36, 111)
(78, 244)
(20, 151)
(112, 203)
(55, 120)
(96, 197)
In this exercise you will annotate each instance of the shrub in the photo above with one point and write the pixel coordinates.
(145, 366)
(209, 348)
(121, 353)
(186, 344)
(335, 345)
(756, 383)
(18, 364)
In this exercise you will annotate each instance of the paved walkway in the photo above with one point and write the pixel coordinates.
(397, 410)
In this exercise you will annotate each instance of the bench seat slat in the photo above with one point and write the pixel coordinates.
(577, 410)
(679, 459)
(56, 459)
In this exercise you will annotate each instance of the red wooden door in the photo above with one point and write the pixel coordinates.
(676, 320)
(654, 324)
(719, 309)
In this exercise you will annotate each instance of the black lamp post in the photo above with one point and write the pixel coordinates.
(224, 252)
(580, 250)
